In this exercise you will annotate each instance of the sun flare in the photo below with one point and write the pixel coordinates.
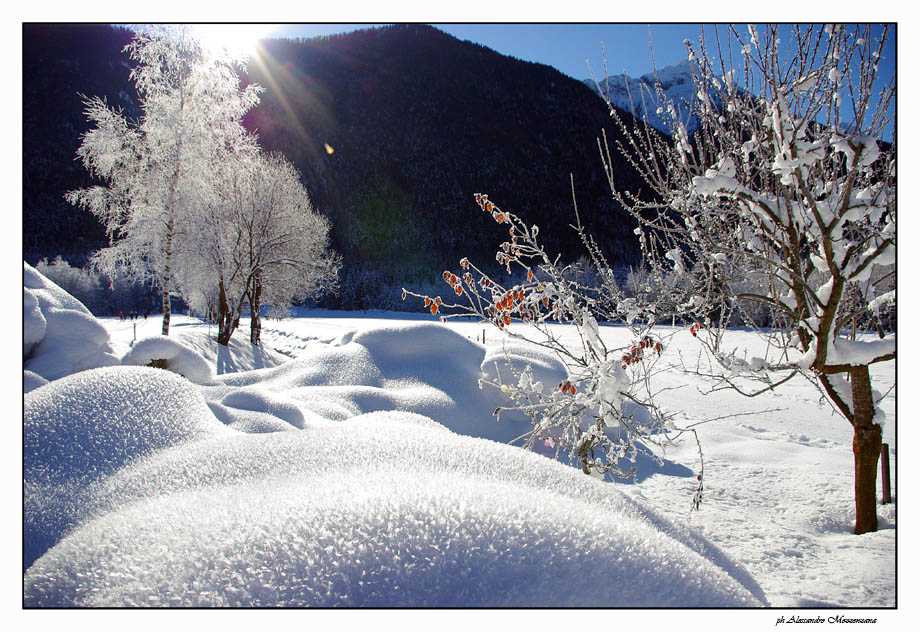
(236, 39)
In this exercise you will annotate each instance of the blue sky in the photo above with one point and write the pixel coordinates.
(567, 47)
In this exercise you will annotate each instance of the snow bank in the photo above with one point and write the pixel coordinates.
(348, 486)
(239, 355)
(386, 509)
(31, 381)
(84, 427)
(268, 403)
(60, 336)
(508, 360)
(423, 368)
(179, 358)
(34, 324)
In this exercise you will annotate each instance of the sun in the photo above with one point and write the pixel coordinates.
(237, 39)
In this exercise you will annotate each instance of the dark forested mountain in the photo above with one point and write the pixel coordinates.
(416, 122)
(60, 62)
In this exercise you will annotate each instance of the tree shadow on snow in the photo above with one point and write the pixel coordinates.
(225, 363)
(647, 467)
(258, 357)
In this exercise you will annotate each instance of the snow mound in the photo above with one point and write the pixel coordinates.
(179, 358)
(84, 427)
(424, 368)
(60, 336)
(269, 403)
(506, 362)
(31, 381)
(252, 421)
(385, 509)
(239, 355)
(34, 324)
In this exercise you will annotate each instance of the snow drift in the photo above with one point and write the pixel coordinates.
(137, 494)
(60, 336)
(84, 427)
(385, 509)
(179, 358)
(337, 479)
(423, 368)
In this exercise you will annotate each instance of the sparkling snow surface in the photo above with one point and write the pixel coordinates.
(369, 470)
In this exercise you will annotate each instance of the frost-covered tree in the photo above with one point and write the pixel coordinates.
(258, 241)
(157, 168)
(288, 241)
(783, 201)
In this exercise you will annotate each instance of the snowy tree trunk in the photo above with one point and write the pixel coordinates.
(225, 320)
(255, 303)
(167, 307)
(867, 446)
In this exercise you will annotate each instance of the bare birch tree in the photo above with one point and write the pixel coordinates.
(157, 167)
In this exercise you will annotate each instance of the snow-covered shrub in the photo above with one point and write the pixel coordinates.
(179, 358)
(603, 405)
(60, 336)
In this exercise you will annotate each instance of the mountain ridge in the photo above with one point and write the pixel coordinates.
(416, 122)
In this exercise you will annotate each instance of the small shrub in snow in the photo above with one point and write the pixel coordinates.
(179, 358)
(599, 413)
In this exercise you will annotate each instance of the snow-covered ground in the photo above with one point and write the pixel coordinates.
(354, 460)
(778, 480)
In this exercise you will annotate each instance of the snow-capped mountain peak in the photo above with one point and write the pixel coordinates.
(638, 95)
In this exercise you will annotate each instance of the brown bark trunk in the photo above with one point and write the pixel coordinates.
(255, 304)
(867, 446)
(225, 320)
